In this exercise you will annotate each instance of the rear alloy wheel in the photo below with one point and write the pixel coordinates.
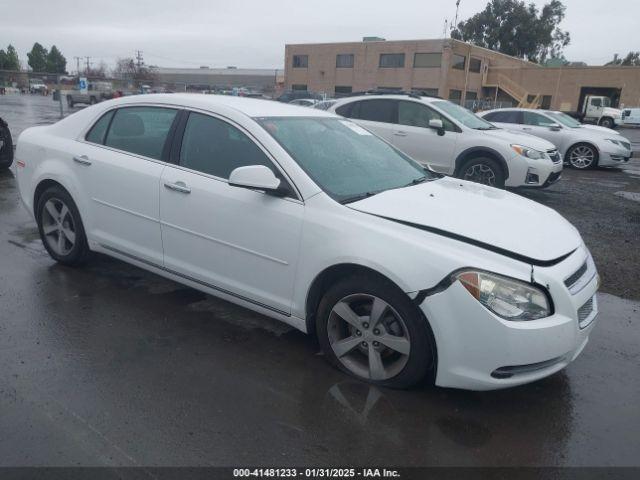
(483, 170)
(582, 157)
(374, 333)
(61, 228)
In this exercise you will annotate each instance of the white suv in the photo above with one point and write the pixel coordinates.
(452, 140)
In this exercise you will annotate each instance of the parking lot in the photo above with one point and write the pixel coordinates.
(110, 365)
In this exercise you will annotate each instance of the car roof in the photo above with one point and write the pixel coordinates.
(415, 98)
(251, 107)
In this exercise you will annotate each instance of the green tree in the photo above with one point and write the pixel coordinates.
(517, 29)
(38, 58)
(56, 63)
(631, 60)
(9, 60)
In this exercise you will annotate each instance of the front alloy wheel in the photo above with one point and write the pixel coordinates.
(371, 329)
(369, 337)
(480, 173)
(582, 157)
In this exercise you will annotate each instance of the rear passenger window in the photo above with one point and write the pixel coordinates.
(511, 116)
(414, 114)
(375, 111)
(214, 147)
(141, 130)
(99, 129)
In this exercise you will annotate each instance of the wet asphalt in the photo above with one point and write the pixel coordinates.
(109, 365)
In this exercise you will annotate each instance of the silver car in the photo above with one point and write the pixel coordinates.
(581, 146)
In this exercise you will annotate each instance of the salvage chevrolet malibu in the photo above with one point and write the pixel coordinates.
(403, 275)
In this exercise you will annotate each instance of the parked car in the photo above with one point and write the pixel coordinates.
(6, 145)
(290, 95)
(304, 102)
(631, 116)
(580, 146)
(452, 140)
(597, 109)
(97, 92)
(306, 217)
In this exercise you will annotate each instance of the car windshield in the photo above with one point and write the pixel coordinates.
(348, 162)
(464, 116)
(565, 119)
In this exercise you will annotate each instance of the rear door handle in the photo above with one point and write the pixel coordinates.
(180, 187)
(400, 133)
(82, 160)
(526, 128)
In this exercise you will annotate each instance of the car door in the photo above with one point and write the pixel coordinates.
(238, 241)
(121, 164)
(540, 125)
(413, 136)
(376, 115)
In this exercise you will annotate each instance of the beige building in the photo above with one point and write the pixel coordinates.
(451, 69)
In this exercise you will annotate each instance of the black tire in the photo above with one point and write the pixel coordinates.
(483, 170)
(582, 156)
(79, 252)
(607, 123)
(415, 367)
(93, 101)
(70, 101)
(6, 152)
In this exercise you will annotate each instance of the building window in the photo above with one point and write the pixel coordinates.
(475, 65)
(341, 90)
(427, 60)
(429, 92)
(455, 96)
(546, 102)
(392, 60)
(344, 60)
(390, 89)
(300, 61)
(301, 88)
(458, 62)
(472, 95)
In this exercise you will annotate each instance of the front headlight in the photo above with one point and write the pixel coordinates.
(613, 140)
(529, 152)
(508, 298)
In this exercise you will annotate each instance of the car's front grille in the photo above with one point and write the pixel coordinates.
(573, 279)
(585, 313)
(555, 156)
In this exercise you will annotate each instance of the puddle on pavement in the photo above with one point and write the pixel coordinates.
(633, 196)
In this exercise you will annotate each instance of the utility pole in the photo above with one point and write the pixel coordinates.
(455, 22)
(139, 59)
(88, 64)
(77, 59)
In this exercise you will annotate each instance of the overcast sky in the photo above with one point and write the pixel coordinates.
(252, 33)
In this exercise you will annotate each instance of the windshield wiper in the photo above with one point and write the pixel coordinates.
(360, 196)
(417, 181)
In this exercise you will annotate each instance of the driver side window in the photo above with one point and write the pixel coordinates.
(212, 146)
(537, 120)
(414, 114)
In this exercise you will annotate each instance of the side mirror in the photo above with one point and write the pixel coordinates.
(256, 177)
(555, 127)
(436, 124)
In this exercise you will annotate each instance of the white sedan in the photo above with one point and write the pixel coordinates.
(581, 146)
(403, 275)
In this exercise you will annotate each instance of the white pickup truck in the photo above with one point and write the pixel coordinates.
(597, 109)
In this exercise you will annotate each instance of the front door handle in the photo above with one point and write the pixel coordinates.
(82, 160)
(400, 133)
(526, 128)
(180, 187)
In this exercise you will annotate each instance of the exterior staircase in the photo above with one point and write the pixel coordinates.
(520, 94)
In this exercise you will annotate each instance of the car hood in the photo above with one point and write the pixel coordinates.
(520, 138)
(487, 217)
(599, 129)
